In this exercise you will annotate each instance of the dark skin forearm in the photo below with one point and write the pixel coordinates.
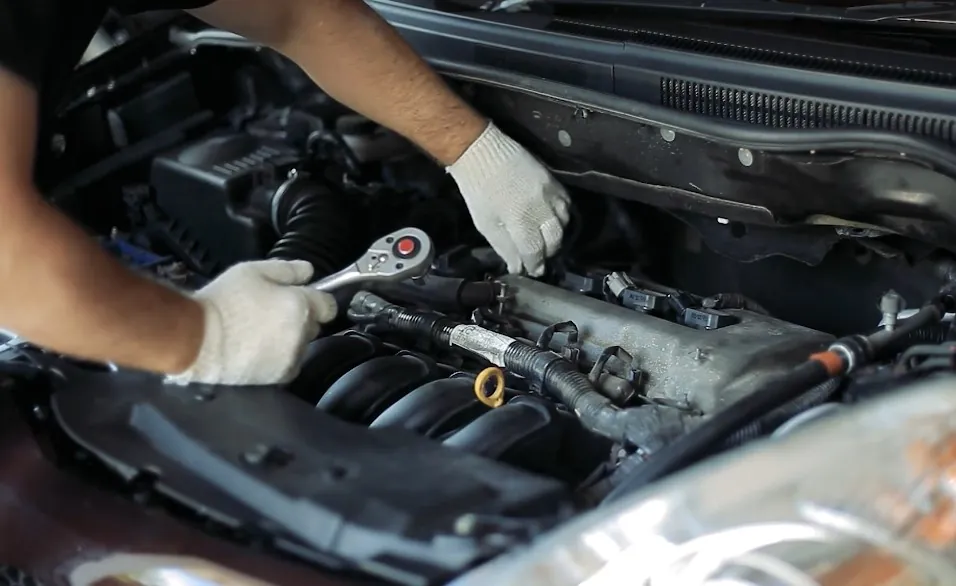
(361, 61)
(59, 288)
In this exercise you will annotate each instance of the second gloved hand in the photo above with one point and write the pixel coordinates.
(515, 202)
(258, 321)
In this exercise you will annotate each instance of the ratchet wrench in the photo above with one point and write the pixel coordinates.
(404, 254)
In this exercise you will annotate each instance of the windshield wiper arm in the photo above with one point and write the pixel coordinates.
(771, 8)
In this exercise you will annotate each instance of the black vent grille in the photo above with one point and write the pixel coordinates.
(767, 55)
(781, 111)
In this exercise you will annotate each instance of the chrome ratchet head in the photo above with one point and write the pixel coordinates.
(404, 254)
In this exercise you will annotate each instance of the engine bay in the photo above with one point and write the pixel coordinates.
(443, 420)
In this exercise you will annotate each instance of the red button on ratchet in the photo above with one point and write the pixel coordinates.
(406, 247)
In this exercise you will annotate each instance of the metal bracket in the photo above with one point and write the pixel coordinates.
(571, 349)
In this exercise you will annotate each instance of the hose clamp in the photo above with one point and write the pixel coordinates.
(280, 193)
(849, 356)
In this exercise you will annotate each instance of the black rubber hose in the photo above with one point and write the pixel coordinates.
(367, 307)
(569, 386)
(884, 343)
(558, 377)
(929, 334)
(812, 398)
(442, 293)
(316, 225)
(714, 432)
(649, 427)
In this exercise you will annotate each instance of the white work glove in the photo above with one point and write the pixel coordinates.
(515, 202)
(259, 320)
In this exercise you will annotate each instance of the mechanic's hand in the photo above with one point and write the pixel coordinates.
(514, 201)
(259, 320)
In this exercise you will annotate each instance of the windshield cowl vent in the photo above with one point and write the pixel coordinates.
(800, 55)
(782, 111)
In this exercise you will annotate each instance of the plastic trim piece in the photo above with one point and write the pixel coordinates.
(384, 501)
(624, 79)
(735, 135)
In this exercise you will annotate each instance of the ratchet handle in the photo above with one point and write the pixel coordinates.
(347, 276)
(404, 254)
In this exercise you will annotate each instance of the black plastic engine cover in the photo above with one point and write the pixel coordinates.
(385, 501)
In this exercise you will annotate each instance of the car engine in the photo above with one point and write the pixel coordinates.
(442, 419)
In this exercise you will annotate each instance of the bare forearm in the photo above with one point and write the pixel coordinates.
(361, 61)
(62, 291)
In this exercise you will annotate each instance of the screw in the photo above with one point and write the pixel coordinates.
(504, 292)
(668, 134)
(502, 297)
(746, 157)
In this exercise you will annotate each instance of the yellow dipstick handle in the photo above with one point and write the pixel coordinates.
(497, 398)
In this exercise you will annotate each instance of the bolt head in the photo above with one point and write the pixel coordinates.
(891, 302)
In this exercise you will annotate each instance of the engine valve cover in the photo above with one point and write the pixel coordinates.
(703, 369)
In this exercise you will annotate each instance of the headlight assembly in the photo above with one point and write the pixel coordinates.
(158, 570)
(864, 498)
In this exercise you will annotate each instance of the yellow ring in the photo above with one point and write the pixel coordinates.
(497, 398)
